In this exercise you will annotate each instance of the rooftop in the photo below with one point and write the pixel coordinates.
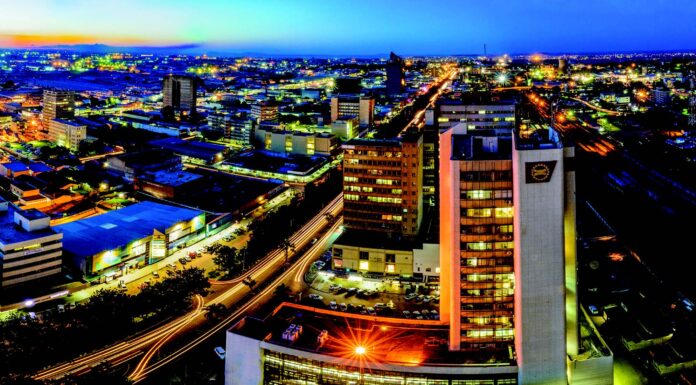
(171, 178)
(370, 239)
(190, 147)
(12, 233)
(385, 340)
(68, 122)
(536, 137)
(481, 145)
(117, 228)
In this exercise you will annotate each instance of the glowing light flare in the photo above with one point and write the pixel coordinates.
(360, 350)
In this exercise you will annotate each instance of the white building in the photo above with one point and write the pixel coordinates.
(66, 133)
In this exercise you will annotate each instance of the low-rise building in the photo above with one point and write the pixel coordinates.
(167, 184)
(66, 133)
(134, 236)
(295, 142)
(29, 248)
(131, 165)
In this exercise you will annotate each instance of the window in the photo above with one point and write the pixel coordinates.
(504, 212)
(479, 246)
(364, 255)
(364, 265)
(503, 194)
(338, 253)
(351, 197)
(390, 258)
(479, 194)
(390, 268)
(478, 213)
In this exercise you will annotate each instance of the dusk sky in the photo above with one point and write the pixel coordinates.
(356, 27)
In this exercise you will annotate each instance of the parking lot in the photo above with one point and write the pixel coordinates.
(384, 297)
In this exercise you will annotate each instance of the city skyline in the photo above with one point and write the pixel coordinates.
(364, 28)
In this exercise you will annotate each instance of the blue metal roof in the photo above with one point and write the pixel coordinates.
(118, 228)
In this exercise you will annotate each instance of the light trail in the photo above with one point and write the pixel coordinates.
(268, 290)
(125, 350)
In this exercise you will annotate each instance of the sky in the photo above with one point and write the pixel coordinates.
(356, 27)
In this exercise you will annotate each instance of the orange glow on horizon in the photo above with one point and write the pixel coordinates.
(28, 40)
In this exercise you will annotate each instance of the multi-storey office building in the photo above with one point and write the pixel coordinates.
(395, 74)
(382, 184)
(346, 108)
(507, 247)
(57, 104)
(180, 92)
(265, 112)
(238, 131)
(67, 133)
(499, 116)
(29, 248)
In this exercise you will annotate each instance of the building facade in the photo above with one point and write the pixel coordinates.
(345, 108)
(29, 248)
(67, 133)
(265, 112)
(507, 247)
(180, 92)
(395, 74)
(239, 131)
(57, 104)
(382, 185)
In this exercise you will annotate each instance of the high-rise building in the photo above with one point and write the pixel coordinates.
(500, 116)
(265, 112)
(67, 133)
(348, 85)
(29, 248)
(180, 92)
(395, 74)
(692, 110)
(238, 131)
(344, 108)
(507, 247)
(660, 96)
(382, 185)
(57, 104)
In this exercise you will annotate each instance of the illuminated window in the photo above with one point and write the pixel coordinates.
(479, 194)
(479, 246)
(390, 268)
(364, 265)
(140, 249)
(350, 179)
(478, 213)
(503, 194)
(505, 229)
(504, 245)
(504, 212)
(351, 197)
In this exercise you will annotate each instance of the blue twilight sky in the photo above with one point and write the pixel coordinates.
(356, 27)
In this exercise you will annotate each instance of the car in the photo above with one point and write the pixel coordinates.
(428, 298)
(334, 287)
(122, 284)
(360, 293)
(425, 313)
(351, 291)
(434, 315)
(172, 265)
(333, 305)
(593, 309)
(369, 293)
(61, 308)
(220, 352)
(417, 315)
(420, 298)
(155, 274)
(314, 240)
(406, 314)
(316, 297)
(342, 307)
(380, 305)
(411, 296)
(187, 258)
(319, 264)
(371, 311)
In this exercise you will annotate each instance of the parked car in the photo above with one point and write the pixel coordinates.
(316, 297)
(220, 352)
(417, 315)
(334, 287)
(406, 314)
(411, 296)
(434, 315)
(371, 311)
(333, 305)
(342, 307)
(155, 274)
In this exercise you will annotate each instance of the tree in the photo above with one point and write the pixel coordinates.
(227, 259)
(286, 245)
(215, 311)
(281, 291)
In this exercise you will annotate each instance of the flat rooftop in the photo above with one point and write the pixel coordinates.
(386, 340)
(536, 137)
(68, 122)
(481, 144)
(190, 147)
(12, 233)
(171, 178)
(373, 240)
(117, 228)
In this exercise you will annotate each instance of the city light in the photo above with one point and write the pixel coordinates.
(360, 350)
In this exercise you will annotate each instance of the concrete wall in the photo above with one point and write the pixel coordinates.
(243, 363)
(540, 330)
